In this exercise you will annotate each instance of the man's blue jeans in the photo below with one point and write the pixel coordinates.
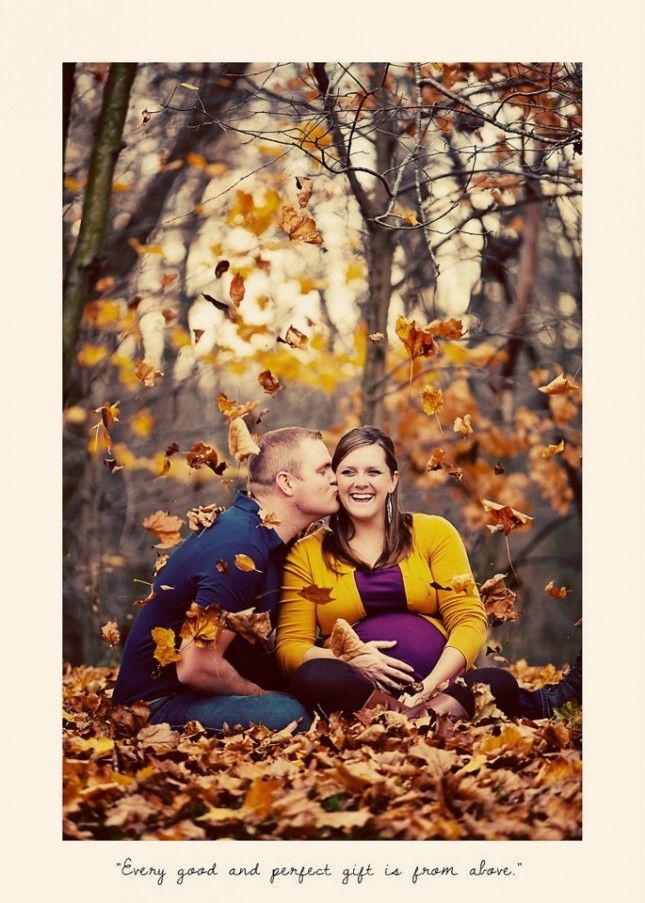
(275, 710)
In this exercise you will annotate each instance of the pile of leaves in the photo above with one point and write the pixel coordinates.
(384, 778)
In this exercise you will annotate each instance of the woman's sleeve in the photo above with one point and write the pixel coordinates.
(296, 615)
(462, 613)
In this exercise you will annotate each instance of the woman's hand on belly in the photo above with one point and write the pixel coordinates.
(387, 672)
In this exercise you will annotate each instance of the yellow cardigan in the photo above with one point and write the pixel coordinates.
(437, 556)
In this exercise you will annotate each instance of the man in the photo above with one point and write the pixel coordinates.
(231, 681)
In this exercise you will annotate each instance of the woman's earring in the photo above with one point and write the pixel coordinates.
(388, 508)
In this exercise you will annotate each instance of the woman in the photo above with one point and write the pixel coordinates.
(390, 575)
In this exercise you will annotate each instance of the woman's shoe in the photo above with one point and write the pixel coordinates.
(569, 689)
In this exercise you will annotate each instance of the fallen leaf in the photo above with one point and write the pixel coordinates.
(559, 386)
(165, 527)
(236, 290)
(498, 600)
(160, 737)
(164, 640)
(231, 409)
(240, 443)
(251, 625)
(203, 516)
(447, 329)
(260, 795)
(245, 563)
(147, 373)
(552, 450)
(557, 593)
(305, 190)
(432, 400)
(269, 383)
(202, 625)
(201, 454)
(504, 517)
(110, 633)
(319, 595)
(462, 425)
(299, 226)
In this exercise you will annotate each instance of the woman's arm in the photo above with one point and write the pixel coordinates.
(450, 665)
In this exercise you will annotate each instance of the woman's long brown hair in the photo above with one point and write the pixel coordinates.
(398, 533)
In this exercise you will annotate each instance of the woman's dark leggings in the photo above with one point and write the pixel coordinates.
(327, 685)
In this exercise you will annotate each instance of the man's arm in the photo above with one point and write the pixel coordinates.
(205, 670)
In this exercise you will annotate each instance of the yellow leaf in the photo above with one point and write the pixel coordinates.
(100, 746)
(147, 373)
(552, 450)
(142, 423)
(418, 342)
(73, 184)
(202, 625)
(462, 425)
(409, 217)
(463, 583)
(91, 355)
(260, 795)
(355, 270)
(268, 518)
(110, 633)
(432, 400)
(319, 595)
(165, 527)
(299, 225)
(196, 160)
(164, 640)
(145, 249)
(245, 563)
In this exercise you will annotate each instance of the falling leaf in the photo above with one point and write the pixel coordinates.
(319, 595)
(409, 216)
(485, 706)
(559, 386)
(110, 633)
(268, 519)
(376, 337)
(160, 737)
(142, 423)
(222, 566)
(109, 413)
(294, 338)
(504, 517)
(253, 626)
(447, 329)
(91, 355)
(221, 268)
(464, 583)
(436, 460)
(498, 600)
(418, 342)
(492, 647)
(270, 384)
(305, 190)
(220, 305)
(112, 465)
(462, 425)
(240, 443)
(299, 225)
(139, 603)
(160, 562)
(432, 400)
(164, 640)
(201, 455)
(344, 642)
(202, 517)
(231, 409)
(557, 593)
(165, 527)
(236, 290)
(245, 563)
(202, 625)
(147, 373)
(552, 450)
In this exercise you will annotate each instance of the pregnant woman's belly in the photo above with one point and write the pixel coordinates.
(418, 642)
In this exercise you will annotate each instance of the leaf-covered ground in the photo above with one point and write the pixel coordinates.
(491, 779)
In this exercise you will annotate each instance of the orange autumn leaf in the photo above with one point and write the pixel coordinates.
(462, 425)
(559, 386)
(164, 527)
(245, 563)
(268, 519)
(270, 384)
(203, 516)
(498, 600)
(294, 338)
(554, 591)
(260, 796)
(231, 409)
(504, 517)
(139, 603)
(202, 625)
(436, 460)
(418, 342)
(147, 373)
(164, 640)
(253, 626)
(319, 595)
(201, 455)
(109, 413)
(344, 642)
(110, 633)
(236, 291)
(240, 443)
(446, 329)
(305, 187)
(299, 225)
(552, 450)
(432, 400)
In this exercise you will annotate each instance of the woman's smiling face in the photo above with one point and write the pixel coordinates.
(364, 480)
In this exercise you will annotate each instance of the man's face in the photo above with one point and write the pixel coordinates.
(316, 492)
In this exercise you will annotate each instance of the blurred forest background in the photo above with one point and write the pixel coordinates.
(396, 243)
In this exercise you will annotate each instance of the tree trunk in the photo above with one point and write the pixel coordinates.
(68, 93)
(380, 256)
(95, 209)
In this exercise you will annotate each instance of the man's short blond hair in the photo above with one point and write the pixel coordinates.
(279, 451)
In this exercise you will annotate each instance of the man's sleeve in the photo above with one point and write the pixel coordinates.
(234, 587)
